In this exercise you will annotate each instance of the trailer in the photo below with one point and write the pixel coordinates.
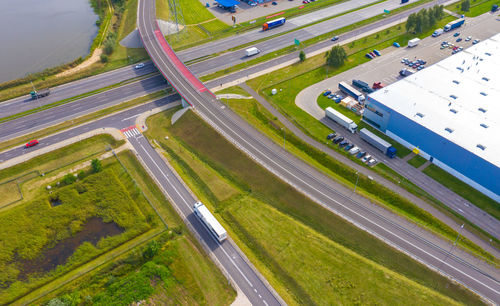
(378, 142)
(273, 24)
(454, 24)
(40, 93)
(341, 119)
(413, 42)
(348, 89)
(206, 217)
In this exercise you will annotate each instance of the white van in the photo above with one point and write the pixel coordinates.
(252, 51)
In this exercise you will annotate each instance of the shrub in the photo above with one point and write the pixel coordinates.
(104, 58)
(302, 56)
(68, 179)
(96, 165)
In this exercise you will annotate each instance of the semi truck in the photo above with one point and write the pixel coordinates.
(273, 24)
(36, 94)
(378, 142)
(348, 89)
(406, 72)
(413, 42)
(454, 24)
(341, 119)
(206, 217)
(437, 32)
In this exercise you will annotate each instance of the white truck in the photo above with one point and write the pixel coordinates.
(437, 32)
(206, 217)
(252, 51)
(341, 119)
(413, 42)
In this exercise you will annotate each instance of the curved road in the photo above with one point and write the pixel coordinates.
(297, 173)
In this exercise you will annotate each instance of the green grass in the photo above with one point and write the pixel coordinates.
(294, 211)
(109, 195)
(464, 190)
(417, 161)
(86, 118)
(476, 7)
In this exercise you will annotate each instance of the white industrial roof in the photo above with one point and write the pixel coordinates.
(460, 94)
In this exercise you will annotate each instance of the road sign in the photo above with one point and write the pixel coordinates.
(387, 11)
(296, 41)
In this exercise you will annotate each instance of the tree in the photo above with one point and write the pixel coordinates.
(411, 22)
(151, 250)
(302, 56)
(336, 56)
(69, 179)
(109, 46)
(96, 165)
(465, 6)
(104, 58)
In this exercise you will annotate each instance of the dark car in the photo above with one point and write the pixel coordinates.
(349, 146)
(459, 39)
(368, 55)
(456, 34)
(361, 154)
(331, 136)
(376, 52)
(31, 143)
(343, 143)
(338, 139)
(334, 38)
(326, 93)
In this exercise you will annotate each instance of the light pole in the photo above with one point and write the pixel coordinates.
(357, 178)
(461, 228)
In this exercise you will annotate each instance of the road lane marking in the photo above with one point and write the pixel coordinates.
(124, 119)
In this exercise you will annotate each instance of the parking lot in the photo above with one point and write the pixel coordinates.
(386, 69)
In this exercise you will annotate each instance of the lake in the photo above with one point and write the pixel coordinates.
(38, 34)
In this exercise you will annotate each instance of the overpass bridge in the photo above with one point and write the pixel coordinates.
(397, 232)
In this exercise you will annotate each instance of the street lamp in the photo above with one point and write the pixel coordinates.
(357, 178)
(461, 228)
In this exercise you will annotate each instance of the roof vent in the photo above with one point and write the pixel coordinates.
(483, 93)
(456, 82)
(486, 79)
(420, 115)
(453, 110)
(453, 96)
(480, 146)
(481, 110)
(448, 130)
(484, 125)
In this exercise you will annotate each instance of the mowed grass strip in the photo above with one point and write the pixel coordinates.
(217, 153)
(484, 202)
(417, 161)
(325, 271)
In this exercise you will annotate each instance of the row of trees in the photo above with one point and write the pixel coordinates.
(424, 19)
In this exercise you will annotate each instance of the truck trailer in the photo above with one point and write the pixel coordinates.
(36, 94)
(206, 217)
(378, 143)
(341, 119)
(273, 24)
(454, 24)
(413, 42)
(348, 89)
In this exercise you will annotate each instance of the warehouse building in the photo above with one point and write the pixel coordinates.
(450, 113)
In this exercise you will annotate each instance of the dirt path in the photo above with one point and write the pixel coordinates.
(96, 56)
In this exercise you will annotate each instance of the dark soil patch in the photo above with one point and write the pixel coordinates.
(55, 202)
(92, 231)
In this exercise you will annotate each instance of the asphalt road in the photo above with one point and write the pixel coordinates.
(305, 178)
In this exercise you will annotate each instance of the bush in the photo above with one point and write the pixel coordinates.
(151, 250)
(68, 179)
(104, 58)
(302, 56)
(96, 165)
(109, 47)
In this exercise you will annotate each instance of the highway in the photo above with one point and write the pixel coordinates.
(305, 178)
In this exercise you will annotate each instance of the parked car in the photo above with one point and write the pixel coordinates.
(395, 44)
(475, 41)
(354, 150)
(456, 34)
(349, 146)
(331, 96)
(326, 93)
(377, 52)
(420, 67)
(361, 154)
(331, 136)
(31, 143)
(334, 38)
(371, 162)
(139, 66)
(343, 143)
(366, 158)
(459, 39)
(372, 54)
(468, 38)
(338, 139)
(368, 55)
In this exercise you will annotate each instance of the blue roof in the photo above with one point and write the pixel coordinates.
(228, 3)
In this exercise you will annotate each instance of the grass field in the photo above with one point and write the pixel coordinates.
(477, 7)
(417, 161)
(255, 186)
(462, 189)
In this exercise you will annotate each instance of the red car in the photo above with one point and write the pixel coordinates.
(32, 143)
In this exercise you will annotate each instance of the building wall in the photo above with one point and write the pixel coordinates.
(458, 161)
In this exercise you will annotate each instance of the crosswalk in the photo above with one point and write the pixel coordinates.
(131, 131)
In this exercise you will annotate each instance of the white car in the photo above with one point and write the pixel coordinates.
(366, 158)
(139, 66)
(468, 38)
(354, 150)
(371, 162)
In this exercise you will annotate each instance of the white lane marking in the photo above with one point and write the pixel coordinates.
(131, 117)
(178, 193)
(265, 303)
(305, 183)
